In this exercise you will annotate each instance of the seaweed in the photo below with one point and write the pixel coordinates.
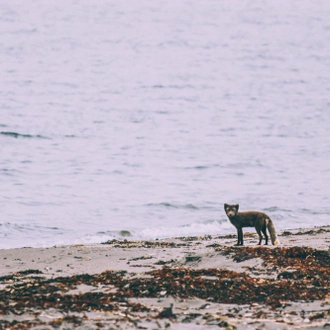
(299, 274)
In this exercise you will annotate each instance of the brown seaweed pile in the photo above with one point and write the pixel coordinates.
(143, 244)
(280, 256)
(299, 274)
(313, 231)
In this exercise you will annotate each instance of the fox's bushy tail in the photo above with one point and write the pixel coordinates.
(272, 232)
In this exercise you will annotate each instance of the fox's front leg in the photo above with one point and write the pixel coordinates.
(239, 237)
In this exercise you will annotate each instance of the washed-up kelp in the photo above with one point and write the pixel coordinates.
(143, 244)
(293, 274)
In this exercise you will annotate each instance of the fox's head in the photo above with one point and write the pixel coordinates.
(231, 210)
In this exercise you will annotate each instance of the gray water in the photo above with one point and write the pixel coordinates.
(146, 116)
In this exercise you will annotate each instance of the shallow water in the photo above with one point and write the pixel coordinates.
(147, 117)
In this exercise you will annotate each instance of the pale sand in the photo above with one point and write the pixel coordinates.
(140, 257)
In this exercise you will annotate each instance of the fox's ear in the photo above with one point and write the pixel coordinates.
(225, 206)
(237, 206)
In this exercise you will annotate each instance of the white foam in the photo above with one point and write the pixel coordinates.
(194, 229)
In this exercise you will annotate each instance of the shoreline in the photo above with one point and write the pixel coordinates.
(135, 235)
(199, 282)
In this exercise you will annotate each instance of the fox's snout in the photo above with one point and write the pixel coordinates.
(231, 214)
(231, 210)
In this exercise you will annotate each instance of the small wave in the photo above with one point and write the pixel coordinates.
(314, 212)
(198, 167)
(116, 233)
(10, 171)
(202, 167)
(14, 235)
(26, 228)
(173, 86)
(174, 206)
(212, 227)
(208, 227)
(20, 135)
(276, 209)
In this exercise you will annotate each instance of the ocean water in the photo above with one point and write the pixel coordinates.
(145, 117)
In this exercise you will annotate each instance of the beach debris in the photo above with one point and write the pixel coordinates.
(314, 231)
(207, 305)
(193, 258)
(125, 233)
(141, 258)
(143, 244)
(167, 312)
(280, 256)
(195, 238)
(190, 317)
(163, 262)
(18, 275)
(298, 274)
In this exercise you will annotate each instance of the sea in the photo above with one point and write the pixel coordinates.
(140, 119)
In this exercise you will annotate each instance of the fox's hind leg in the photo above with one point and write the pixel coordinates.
(262, 229)
(265, 233)
(260, 236)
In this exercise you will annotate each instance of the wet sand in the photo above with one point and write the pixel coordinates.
(179, 283)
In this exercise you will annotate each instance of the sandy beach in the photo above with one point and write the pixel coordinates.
(180, 283)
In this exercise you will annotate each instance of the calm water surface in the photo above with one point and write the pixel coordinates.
(148, 116)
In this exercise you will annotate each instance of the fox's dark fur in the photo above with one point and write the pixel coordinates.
(259, 220)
